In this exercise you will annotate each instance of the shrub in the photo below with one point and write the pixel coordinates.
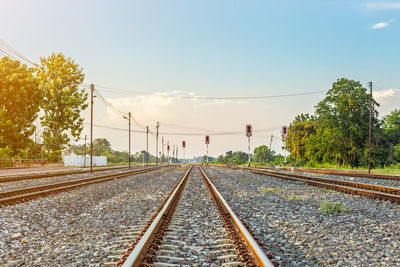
(332, 207)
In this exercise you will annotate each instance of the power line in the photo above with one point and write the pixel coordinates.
(127, 92)
(9, 51)
(186, 134)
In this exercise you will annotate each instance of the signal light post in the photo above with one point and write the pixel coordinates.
(168, 152)
(184, 146)
(284, 135)
(249, 133)
(207, 141)
(129, 148)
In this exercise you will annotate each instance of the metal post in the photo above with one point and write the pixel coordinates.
(249, 151)
(129, 157)
(91, 127)
(167, 152)
(147, 145)
(207, 154)
(158, 125)
(162, 148)
(370, 126)
(84, 161)
(177, 154)
(173, 154)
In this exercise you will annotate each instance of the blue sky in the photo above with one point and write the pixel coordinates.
(213, 48)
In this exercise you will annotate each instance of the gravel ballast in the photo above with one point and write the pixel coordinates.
(285, 215)
(79, 227)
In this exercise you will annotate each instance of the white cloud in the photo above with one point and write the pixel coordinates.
(383, 6)
(388, 100)
(380, 25)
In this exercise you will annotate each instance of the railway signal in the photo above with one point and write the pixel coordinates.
(284, 132)
(207, 141)
(168, 152)
(249, 133)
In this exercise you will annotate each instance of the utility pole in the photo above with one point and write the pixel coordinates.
(129, 157)
(84, 160)
(370, 126)
(173, 154)
(176, 153)
(162, 148)
(91, 127)
(168, 152)
(270, 142)
(158, 125)
(147, 145)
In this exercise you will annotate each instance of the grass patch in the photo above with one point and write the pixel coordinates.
(294, 197)
(272, 190)
(328, 207)
(327, 190)
(243, 179)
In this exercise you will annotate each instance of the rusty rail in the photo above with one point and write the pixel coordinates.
(26, 194)
(143, 250)
(19, 177)
(375, 191)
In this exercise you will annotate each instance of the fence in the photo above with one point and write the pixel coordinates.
(22, 163)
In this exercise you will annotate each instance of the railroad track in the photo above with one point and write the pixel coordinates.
(188, 230)
(344, 173)
(19, 177)
(26, 194)
(375, 191)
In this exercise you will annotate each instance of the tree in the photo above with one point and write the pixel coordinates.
(343, 118)
(20, 98)
(101, 146)
(63, 101)
(391, 126)
(263, 154)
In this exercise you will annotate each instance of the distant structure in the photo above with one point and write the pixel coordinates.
(74, 160)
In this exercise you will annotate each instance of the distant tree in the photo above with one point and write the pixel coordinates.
(101, 146)
(391, 126)
(263, 154)
(63, 101)
(20, 98)
(300, 130)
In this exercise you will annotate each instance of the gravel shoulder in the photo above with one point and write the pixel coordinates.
(285, 215)
(79, 227)
(51, 180)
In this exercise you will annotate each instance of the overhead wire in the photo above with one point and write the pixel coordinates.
(9, 51)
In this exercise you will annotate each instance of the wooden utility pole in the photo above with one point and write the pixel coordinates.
(84, 160)
(158, 125)
(147, 145)
(129, 156)
(370, 126)
(91, 127)
(270, 142)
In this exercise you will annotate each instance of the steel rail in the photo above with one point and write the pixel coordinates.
(19, 177)
(382, 192)
(258, 253)
(25, 194)
(344, 173)
(138, 253)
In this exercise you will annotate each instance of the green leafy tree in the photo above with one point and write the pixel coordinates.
(343, 118)
(101, 146)
(391, 126)
(263, 154)
(300, 130)
(63, 101)
(20, 98)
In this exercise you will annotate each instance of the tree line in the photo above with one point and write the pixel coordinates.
(337, 134)
(50, 92)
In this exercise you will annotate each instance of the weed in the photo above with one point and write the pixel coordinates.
(273, 190)
(332, 207)
(294, 197)
(243, 179)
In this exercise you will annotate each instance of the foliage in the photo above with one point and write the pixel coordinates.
(20, 98)
(63, 101)
(338, 132)
(332, 207)
(263, 154)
